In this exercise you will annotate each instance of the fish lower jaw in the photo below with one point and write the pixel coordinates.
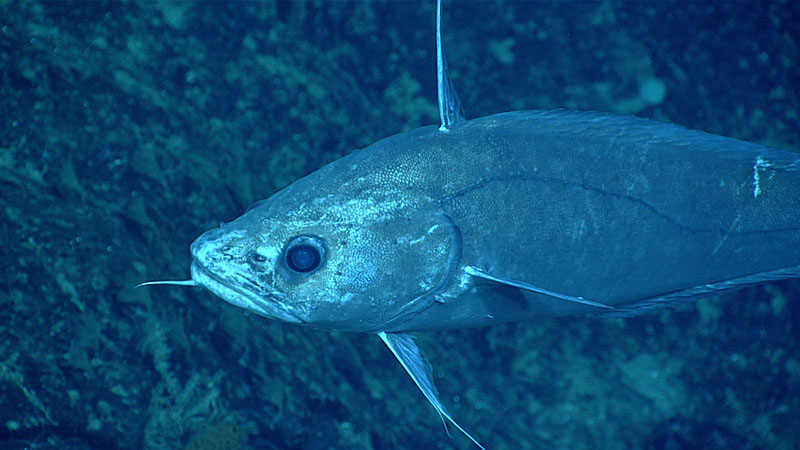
(241, 298)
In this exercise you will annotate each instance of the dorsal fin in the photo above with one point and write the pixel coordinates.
(450, 111)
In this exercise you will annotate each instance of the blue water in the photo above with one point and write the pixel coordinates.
(129, 129)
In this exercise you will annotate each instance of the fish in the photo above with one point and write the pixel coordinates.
(508, 217)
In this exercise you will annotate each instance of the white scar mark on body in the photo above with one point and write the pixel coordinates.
(760, 164)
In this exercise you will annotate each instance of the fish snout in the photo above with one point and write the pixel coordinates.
(218, 245)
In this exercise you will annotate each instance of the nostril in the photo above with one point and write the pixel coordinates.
(257, 257)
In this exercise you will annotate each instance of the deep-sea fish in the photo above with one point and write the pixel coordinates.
(508, 217)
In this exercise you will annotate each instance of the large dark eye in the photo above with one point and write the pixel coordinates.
(304, 254)
(302, 258)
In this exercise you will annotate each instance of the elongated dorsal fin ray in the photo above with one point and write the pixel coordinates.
(475, 272)
(168, 282)
(450, 111)
(419, 369)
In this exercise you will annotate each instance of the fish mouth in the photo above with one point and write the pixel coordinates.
(236, 295)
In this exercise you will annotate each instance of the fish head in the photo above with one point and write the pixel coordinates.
(356, 255)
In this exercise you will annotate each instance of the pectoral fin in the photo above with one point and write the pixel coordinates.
(419, 369)
(693, 293)
(475, 272)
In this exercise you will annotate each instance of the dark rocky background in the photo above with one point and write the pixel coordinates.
(127, 129)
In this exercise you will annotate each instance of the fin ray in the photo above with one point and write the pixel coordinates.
(704, 290)
(419, 369)
(475, 272)
(451, 112)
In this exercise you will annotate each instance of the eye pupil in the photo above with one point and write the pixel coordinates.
(302, 258)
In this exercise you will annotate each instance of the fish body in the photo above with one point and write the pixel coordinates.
(510, 217)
